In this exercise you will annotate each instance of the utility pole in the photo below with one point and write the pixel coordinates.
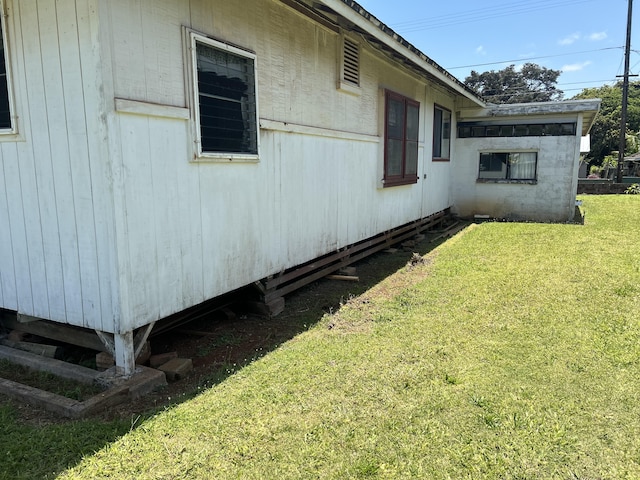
(625, 97)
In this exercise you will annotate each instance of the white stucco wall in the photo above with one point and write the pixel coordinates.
(550, 198)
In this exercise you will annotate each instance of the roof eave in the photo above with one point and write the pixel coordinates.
(357, 15)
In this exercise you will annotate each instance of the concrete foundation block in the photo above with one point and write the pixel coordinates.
(176, 368)
(161, 358)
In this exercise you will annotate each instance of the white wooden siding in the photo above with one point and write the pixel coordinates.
(191, 231)
(55, 198)
(112, 226)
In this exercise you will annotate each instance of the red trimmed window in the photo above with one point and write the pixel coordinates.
(402, 117)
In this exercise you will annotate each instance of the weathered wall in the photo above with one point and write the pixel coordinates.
(57, 251)
(550, 198)
(601, 188)
(188, 231)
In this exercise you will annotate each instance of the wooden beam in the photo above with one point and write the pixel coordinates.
(56, 331)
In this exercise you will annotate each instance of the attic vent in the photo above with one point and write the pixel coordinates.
(351, 62)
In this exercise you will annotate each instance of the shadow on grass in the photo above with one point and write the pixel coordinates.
(35, 444)
(221, 346)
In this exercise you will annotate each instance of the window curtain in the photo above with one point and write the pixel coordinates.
(523, 165)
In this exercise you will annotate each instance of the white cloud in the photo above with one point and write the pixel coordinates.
(597, 36)
(481, 51)
(575, 67)
(568, 40)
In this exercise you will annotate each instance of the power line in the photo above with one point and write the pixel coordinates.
(476, 15)
(534, 58)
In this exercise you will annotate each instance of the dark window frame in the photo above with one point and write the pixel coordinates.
(492, 161)
(6, 105)
(225, 101)
(549, 129)
(441, 132)
(399, 137)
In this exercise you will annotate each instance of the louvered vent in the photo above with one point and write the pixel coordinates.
(351, 62)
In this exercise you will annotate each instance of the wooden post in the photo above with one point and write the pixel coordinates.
(124, 354)
(625, 96)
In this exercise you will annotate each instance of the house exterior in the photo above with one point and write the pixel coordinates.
(157, 154)
(521, 161)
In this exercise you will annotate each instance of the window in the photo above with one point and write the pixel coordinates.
(5, 104)
(471, 129)
(402, 117)
(508, 165)
(441, 134)
(225, 100)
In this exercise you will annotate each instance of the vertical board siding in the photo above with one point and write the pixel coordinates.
(112, 225)
(80, 168)
(9, 232)
(196, 230)
(49, 268)
(59, 155)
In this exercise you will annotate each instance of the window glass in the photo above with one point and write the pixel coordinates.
(226, 101)
(508, 165)
(5, 109)
(411, 167)
(520, 130)
(394, 157)
(464, 132)
(493, 131)
(478, 131)
(535, 130)
(522, 165)
(506, 131)
(402, 130)
(395, 118)
(441, 133)
(468, 129)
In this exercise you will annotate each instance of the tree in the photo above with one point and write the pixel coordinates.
(532, 83)
(605, 132)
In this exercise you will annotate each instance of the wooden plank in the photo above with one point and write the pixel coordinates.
(135, 107)
(124, 353)
(127, 43)
(59, 157)
(44, 266)
(41, 349)
(401, 234)
(8, 287)
(372, 245)
(57, 331)
(164, 148)
(57, 367)
(104, 178)
(77, 139)
(346, 278)
(140, 276)
(49, 401)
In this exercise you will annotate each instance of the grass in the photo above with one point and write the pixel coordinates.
(48, 381)
(512, 353)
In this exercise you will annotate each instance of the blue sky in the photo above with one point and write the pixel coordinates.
(583, 38)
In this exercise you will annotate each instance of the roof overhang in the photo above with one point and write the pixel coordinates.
(350, 16)
(570, 108)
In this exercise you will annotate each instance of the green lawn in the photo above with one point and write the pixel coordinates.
(512, 353)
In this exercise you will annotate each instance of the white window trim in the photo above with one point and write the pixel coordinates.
(11, 132)
(218, 157)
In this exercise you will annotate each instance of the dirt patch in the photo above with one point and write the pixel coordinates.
(219, 345)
